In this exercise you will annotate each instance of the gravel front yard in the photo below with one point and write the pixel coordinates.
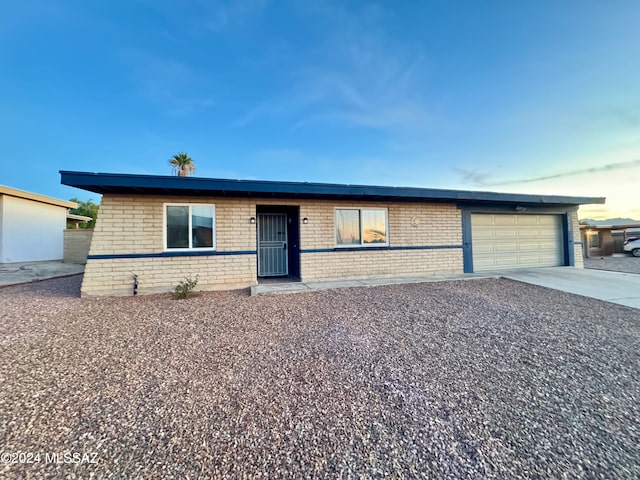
(627, 264)
(468, 379)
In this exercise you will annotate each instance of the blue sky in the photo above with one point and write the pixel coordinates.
(527, 96)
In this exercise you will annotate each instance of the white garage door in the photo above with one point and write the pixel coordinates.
(516, 241)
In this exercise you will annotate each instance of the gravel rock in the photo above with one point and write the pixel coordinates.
(625, 264)
(469, 379)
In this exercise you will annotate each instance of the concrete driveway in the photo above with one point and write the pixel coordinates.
(615, 287)
(16, 273)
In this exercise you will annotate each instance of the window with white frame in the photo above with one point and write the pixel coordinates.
(361, 227)
(189, 227)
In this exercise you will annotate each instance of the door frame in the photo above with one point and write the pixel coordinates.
(292, 213)
(285, 246)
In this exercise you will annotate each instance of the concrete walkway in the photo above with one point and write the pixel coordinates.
(16, 273)
(615, 287)
(297, 287)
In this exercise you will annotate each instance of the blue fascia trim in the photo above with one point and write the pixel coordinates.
(467, 246)
(112, 256)
(567, 230)
(366, 249)
(118, 183)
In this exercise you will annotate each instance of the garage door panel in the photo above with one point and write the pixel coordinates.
(529, 232)
(485, 234)
(484, 220)
(547, 259)
(504, 220)
(548, 238)
(483, 265)
(505, 248)
(547, 245)
(503, 262)
(485, 249)
(528, 247)
(549, 220)
(502, 241)
(547, 231)
(528, 261)
(500, 233)
(528, 220)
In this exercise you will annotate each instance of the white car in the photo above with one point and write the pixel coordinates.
(632, 246)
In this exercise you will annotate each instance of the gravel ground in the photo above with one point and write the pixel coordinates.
(627, 264)
(469, 379)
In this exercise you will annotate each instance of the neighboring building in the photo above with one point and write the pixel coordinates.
(74, 221)
(31, 226)
(231, 233)
(604, 240)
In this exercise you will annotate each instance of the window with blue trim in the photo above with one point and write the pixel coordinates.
(361, 227)
(189, 227)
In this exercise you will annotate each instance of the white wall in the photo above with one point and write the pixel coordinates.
(31, 231)
(1, 223)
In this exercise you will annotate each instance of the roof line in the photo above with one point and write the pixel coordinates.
(14, 192)
(156, 184)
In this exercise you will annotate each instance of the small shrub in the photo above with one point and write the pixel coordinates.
(184, 289)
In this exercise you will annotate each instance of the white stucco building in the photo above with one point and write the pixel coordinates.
(31, 226)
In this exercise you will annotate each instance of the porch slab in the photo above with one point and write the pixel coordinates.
(297, 287)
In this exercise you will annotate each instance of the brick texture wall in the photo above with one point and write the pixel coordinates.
(135, 225)
(129, 224)
(157, 275)
(76, 245)
(578, 254)
(358, 264)
(410, 225)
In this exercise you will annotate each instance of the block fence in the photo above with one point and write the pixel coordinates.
(76, 245)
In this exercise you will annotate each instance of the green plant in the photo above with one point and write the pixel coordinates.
(184, 289)
(182, 164)
(86, 208)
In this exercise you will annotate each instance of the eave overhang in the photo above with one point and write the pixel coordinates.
(128, 184)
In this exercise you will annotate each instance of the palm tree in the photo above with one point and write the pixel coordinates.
(182, 164)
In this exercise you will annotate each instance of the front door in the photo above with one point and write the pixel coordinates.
(272, 245)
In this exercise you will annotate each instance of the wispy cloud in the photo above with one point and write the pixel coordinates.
(357, 76)
(195, 17)
(168, 83)
(481, 178)
(223, 15)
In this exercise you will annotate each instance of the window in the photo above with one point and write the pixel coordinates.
(361, 227)
(594, 240)
(189, 227)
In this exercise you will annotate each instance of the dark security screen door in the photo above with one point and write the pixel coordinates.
(272, 245)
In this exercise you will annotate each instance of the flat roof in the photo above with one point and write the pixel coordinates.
(78, 218)
(14, 192)
(610, 227)
(119, 183)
